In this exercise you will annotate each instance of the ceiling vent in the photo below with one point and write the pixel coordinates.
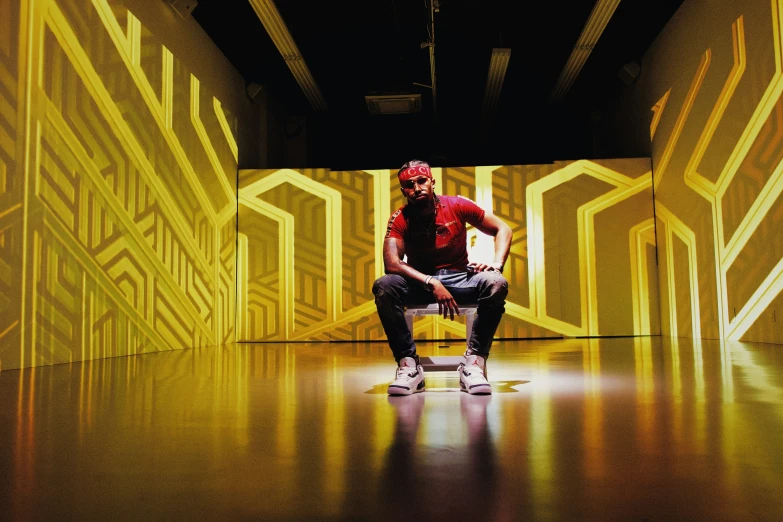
(394, 104)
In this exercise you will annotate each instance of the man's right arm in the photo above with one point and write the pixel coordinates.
(393, 252)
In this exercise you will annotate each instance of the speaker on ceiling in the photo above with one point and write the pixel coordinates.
(253, 89)
(629, 72)
(182, 7)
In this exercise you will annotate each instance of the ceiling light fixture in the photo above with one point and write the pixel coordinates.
(273, 23)
(596, 23)
(498, 64)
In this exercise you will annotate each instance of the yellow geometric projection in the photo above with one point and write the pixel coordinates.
(161, 111)
(134, 149)
(626, 187)
(226, 128)
(699, 183)
(285, 222)
(641, 235)
(241, 322)
(481, 247)
(334, 229)
(536, 313)
(126, 206)
(195, 118)
(122, 245)
(382, 210)
(54, 123)
(674, 226)
(726, 252)
(682, 117)
(657, 110)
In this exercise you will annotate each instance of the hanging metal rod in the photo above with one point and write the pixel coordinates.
(431, 47)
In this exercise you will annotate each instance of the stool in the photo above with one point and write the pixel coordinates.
(468, 310)
(442, 363)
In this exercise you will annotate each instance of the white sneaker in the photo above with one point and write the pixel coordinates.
(410, 378)
(473, 375)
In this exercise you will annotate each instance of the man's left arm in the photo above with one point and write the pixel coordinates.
(497, 228)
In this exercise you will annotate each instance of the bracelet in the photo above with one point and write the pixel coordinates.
(427, 282)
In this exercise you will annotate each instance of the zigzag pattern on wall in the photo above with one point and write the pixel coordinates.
(726, 280)
(121, 211)
(322, 233)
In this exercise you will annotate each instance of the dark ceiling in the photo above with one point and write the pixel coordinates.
(356, 48)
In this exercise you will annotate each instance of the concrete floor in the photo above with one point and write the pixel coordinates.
(628, 429)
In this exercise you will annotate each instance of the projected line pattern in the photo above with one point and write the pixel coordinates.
(124, 250)
(729, 240)
(657, 110)
(537, 313)
(12, 110)
(332, 275)
(674, 227)
(362, 318)
(640, 236)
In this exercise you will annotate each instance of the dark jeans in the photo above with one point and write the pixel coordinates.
(486, 289)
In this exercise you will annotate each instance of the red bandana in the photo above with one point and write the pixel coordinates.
(414, 172)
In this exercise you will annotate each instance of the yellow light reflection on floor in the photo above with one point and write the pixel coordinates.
(294, 431)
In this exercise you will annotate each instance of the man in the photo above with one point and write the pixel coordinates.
(430, 231)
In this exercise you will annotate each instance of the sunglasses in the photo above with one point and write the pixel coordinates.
(409, 184)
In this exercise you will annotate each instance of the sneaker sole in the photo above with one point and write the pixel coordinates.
(482, 389)
(478, 389)
(403, 391)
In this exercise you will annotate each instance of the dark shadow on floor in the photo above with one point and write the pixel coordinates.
(497, 387)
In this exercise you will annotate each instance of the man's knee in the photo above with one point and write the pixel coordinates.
(496, 285)
(387, 283)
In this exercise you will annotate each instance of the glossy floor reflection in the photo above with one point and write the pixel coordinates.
(577, 429)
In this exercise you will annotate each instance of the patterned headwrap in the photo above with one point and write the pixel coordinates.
(414, 172)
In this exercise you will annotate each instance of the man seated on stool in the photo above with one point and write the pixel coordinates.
(430, 230)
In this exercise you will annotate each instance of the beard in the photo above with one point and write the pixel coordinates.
(423, 203)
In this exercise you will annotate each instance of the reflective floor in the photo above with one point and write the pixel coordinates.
(629, 429)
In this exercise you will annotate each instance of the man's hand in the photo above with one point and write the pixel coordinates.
(447, 306)
(483, 267)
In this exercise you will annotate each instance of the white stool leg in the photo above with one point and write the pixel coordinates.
(409, 320)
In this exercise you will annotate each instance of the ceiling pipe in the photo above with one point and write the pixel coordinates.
(432, 58)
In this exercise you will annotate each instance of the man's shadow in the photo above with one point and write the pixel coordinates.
(497, 387)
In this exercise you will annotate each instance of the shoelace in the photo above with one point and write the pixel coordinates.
(405, 371)
(474, 369)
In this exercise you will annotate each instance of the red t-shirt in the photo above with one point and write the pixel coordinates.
(440, 244)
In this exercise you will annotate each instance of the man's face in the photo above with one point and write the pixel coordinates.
(418, 190)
